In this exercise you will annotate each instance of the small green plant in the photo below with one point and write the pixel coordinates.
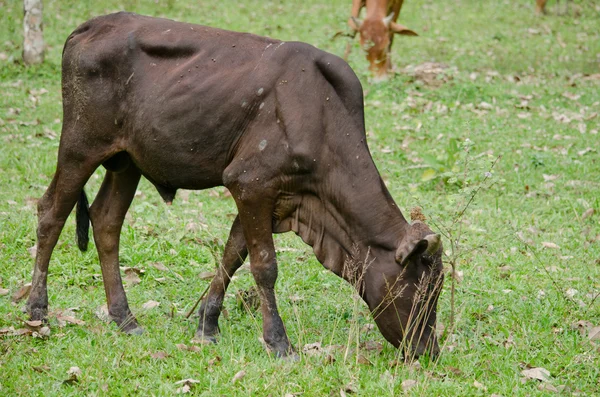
(444, 167)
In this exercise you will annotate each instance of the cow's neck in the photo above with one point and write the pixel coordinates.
(349, 215)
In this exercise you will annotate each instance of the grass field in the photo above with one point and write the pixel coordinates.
(511, 121)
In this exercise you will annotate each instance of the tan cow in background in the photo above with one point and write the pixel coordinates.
(377, 31)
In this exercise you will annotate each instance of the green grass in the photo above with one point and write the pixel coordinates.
(499, 53)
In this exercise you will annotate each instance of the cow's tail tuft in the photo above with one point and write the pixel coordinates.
(82, 218)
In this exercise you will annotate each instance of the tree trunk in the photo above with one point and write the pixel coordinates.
(33, 39)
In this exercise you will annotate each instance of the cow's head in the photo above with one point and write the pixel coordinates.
(375, 39)
(402, 291)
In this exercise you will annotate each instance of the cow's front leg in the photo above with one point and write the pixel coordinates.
(233, 257)
(256, 212)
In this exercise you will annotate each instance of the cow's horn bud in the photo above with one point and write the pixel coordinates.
(388, 19)
(433, 243)
(357, 22)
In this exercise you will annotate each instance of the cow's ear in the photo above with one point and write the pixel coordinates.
(429, 245)
(401, 29)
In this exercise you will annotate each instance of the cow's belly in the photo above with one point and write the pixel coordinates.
(178, 163)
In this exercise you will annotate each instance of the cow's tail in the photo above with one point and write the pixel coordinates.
(82, 218)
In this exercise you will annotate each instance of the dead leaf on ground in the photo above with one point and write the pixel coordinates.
(312, 349)
(22, 293)
(187, 385)
(159, 355)
(4, 291)
(42, 333)
(69, 319)
(547, 387)
(214, 360)
(479, 385)
(431, 73)
(538, 373)
(179, 276)
(192, 348)
(548, 244)
(35, 324)
(159, 266)
(41, 368)
(206, 275)
(571, 96)
(102, 313)
(239, 376)
(408, 384)
(74, 373)
(150, 305)
(371, 345)
(132, 275)
(549, 178)
(585, 151)
(594, 334)
(11, 331)
(32, 251)
(587, 213)
(364, 360)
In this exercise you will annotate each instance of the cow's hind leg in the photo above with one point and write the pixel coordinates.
(107, 214)
(234, 255)
(53, 209)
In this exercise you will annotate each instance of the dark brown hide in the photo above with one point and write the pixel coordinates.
(377, 31)
(280, 124)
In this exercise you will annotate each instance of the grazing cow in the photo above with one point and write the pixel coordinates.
(377, 32)
(280, 124)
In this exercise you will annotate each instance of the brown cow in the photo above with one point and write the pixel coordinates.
(377, 32)
(280, 124)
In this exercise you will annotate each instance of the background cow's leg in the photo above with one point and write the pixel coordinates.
(540, 6)
(107, 214)
(234, 255)
(53, 210)
(256, 216)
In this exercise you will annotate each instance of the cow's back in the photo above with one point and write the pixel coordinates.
(176, 95)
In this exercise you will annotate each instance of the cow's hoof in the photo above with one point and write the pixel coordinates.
(201, 339)
(135, 331)
(292, 357)
(284, 352)
(37, 314)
